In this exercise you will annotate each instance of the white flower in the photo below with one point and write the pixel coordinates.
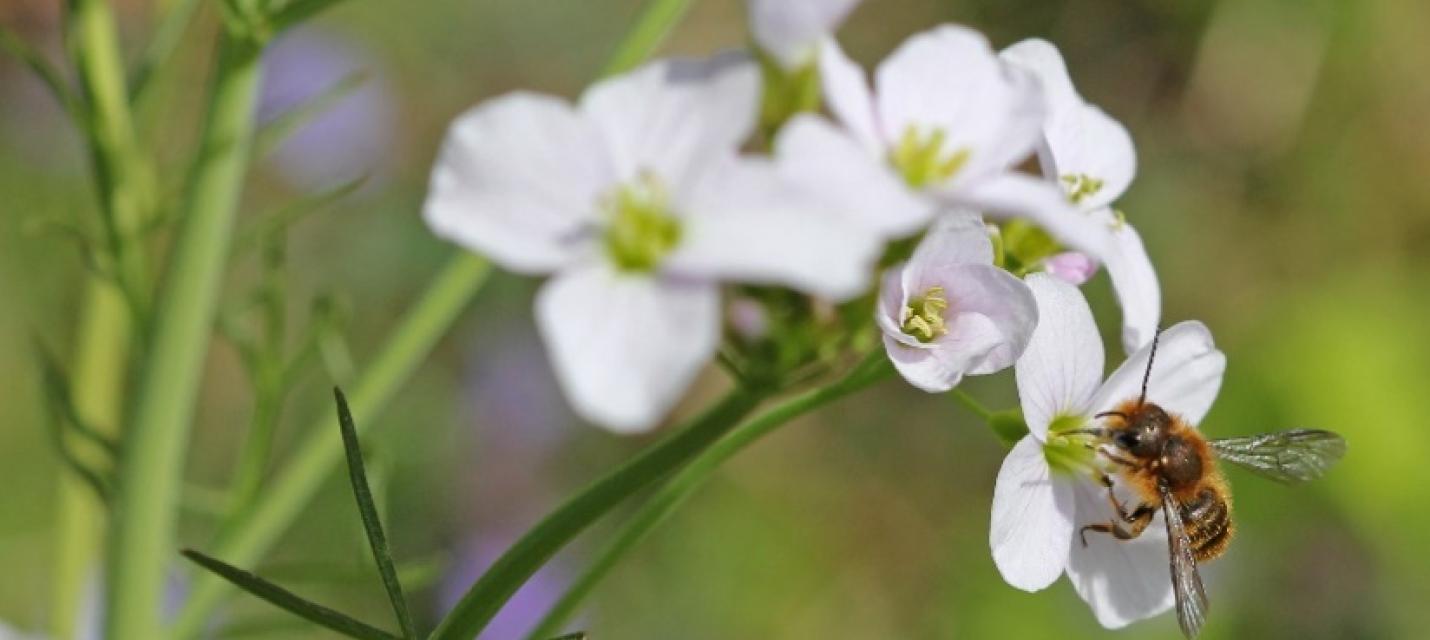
(790, 30)
(637, 201)
(1045, 492)
(946, 124)
(1091, 156)
(948, 311)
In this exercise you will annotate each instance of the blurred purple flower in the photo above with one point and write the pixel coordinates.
(525, 608)
(1071, 267)
(350, 138)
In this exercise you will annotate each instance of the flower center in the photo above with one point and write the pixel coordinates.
(1081, 186)
(922, 160)
(1066, 453)
(923, 317)
(641, 229)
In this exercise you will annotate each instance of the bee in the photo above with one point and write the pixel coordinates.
(1170, 467)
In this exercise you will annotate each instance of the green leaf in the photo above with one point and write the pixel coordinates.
(47, 73)
(298, 11)
(161, 46)
(370, 521)
(275, 131)
(288, 601)
(284, 218)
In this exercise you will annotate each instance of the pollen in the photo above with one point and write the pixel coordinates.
(922, 159)
(1081, 186)
(923, 317)
(641, 229)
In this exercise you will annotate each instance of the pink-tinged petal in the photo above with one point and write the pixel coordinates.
(744, 223)
(846, 90)
(1032, 523)
(949, 79)
(517, 180)
(940, 365)
(1185, 376)
(1135, 283)
(890, 310)
(832, 168)
(1060, 370)
(989, 293)
(790, 30)
(1044, 204)
(956, 237)
(1071, 267)
(1084, 141)
(1122, 581)
(625, 347)
(674, 117)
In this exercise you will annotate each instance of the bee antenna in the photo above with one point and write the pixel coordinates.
(1147, 376)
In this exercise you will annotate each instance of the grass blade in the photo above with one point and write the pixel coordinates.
(299, 11)
(162, 45)
(275, 131)
(288, 601)
(370, 521)
(656, 22)
(281, 220)
(46, 72)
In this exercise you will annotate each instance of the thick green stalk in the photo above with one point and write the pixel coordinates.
(314, 462)
(103, 348)
(126, 187)
(151, 469)
(685, 483)
(514, 567)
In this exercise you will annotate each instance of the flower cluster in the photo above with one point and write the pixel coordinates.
(664, 190)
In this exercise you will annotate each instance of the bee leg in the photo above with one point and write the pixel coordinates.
(1138, 521)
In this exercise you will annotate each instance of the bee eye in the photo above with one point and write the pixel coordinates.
(1127, 439)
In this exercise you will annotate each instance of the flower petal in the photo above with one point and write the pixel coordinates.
(745, 224)
(1032, 523)
(1185, 377)
(517, 177)
(938, 366)
(1084, 141)
(1020, 196)
(1134, 281)
(850, 183)
(892, 300)
(1045, 62)
(956, 237)
(1121, 580)
(949, 79)
(625, 347)
(1062, 366)
(985, 291)
(673, 117)
(1072, 267)
(790, 30)
(846, 89)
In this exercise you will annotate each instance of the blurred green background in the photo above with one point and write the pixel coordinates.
(1283, 193)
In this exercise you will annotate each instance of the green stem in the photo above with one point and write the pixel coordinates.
(659, 17)
(124, 178)
(98, 383)
(685, 483)
(972, 404)
(151, 470)
(318, 457)
(514, 567)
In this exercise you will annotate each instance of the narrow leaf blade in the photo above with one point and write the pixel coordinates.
(287, 600)
(277, 130)
(371, 523)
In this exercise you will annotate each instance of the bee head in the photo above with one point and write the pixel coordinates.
(1145, 432)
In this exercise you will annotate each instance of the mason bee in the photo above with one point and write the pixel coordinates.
(1172, 468)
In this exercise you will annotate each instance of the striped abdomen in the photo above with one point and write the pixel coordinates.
(1208, 521)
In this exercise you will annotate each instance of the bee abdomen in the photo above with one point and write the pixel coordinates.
(1208, 522)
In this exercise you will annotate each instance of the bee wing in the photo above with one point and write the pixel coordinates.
(1290, 456)
(1191, 597)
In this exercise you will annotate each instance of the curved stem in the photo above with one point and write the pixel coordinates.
(972, 404)
(693, 476)
(247, 537)
(151, 468)
(514, 567)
